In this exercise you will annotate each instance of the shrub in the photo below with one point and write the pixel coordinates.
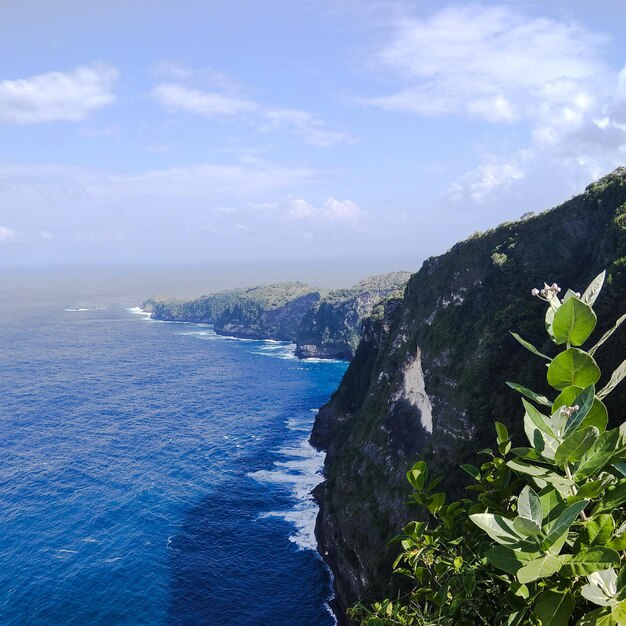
(544, 541)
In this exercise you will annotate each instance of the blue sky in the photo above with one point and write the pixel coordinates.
(143, 131)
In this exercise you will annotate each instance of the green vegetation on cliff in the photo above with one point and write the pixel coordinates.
(332, 328)
(541, 543)
(323, 323)
(427, 380)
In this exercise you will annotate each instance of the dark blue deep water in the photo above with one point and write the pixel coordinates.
(153, 473)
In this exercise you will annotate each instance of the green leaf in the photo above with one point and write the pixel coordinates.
(563, 522)
(497, 527)
(526, 527)
(593, 291)
(613, 497)
(590, 560)
(417, 475)
(599, 617)
(591, 489)
(584, 402)
(607, 334)
(618, 613)
(597, 531)
(576, 445)
(472, 470)
(531, 395)
(598, 455)
(552, 504)
(530, 347)
(529, 505)
(601, 588)
(542, 475)
(544, 444)
(553, 608)
(537, 418)
(597, 415)
(501, 432)
(616, 378)
(573, 322)
(539, 568)
(509, 560)
(436, 502)
(573, 367)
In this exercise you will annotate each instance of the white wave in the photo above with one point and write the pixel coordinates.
(277, 350)
(202, 334)
(299, 425)
(77, 310)
(137, 310)
(301, 470)
(314, 359)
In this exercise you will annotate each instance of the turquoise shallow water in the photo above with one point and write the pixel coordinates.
(154, 473)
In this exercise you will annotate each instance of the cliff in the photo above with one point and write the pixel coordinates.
(332, 327)
(323, 324)
(428, 378)
(264, 312)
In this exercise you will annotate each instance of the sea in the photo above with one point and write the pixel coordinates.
(152, 472)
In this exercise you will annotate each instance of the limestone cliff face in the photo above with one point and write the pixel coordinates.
(323, 324)
(332, 328)
(265, 312)
(428, 378)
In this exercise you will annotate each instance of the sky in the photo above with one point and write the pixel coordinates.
(195, 131)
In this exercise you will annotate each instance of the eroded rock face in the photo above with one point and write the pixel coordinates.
(428, 378)
(323, 324)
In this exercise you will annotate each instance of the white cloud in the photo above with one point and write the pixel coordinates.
(491, 62)
(309, 127)
(333, 210)
(57, 96)
(6, 233)
(206, 103)
(220, 97)
(549, 80)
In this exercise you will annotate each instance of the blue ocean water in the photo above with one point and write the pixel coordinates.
(154, 473)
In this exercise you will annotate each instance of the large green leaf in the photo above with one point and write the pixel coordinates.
(593, 291)
(543, 444)
(598, 455)
(497, 527)
(563, 522)
(537, 418)
(597, 416)
(529, 505)
(554, 608)
(573, 367)
(539, 568)
(613, 497)
(597, 531)
(601, 588)
(590, 560)
(552, 504)
(542, 476)
(526, 527)
(573, 322)
(574, 447)
(584, 402)
(509, 560)
(599, 617)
